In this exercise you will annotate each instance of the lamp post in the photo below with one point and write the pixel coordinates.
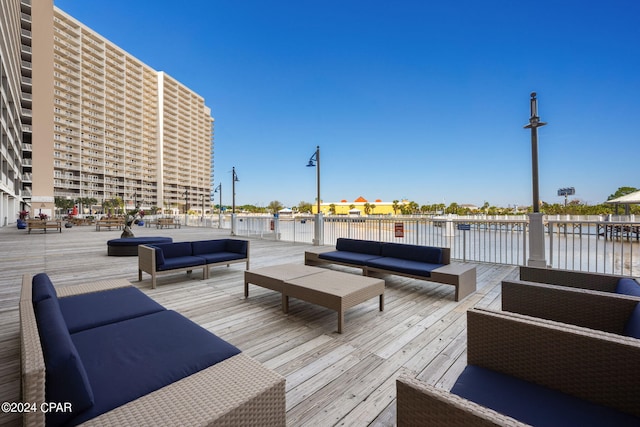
(186, 202)
(218, 189)
(537, 256)
(202, 217)
(234, 179)
(314, 161)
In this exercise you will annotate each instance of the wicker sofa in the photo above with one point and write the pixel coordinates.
(113, 356)
(529, 371)
(569, 278)
(171, 257)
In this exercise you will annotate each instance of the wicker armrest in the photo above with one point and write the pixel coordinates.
(574, 279)
(603, 311)
(421, 404)
(596, 366)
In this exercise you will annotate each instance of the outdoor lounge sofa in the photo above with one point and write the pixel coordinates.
(106, 354)
(180, 256)
(529, 371)
(415, 261)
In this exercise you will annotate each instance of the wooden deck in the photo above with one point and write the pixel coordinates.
(332, 379)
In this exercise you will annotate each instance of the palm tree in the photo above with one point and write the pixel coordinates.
(395, 206)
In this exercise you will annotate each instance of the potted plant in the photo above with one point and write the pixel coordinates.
(22, 219)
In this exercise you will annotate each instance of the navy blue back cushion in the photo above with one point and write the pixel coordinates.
(237, 246)
(208, 246)
(159, 255)
(66, 379)
(632, 327)
(628, 286)
(100, 308)
(532, 403)
(428, 254)
(172, 250)
(369, 247)
(42, 288)
(129, 359)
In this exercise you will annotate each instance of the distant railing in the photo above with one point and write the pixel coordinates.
(583, 244)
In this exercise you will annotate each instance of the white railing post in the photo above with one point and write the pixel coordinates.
(536, 241)
(318, 230)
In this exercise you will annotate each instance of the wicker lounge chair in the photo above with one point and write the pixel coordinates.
(236, 391)
(598, 368)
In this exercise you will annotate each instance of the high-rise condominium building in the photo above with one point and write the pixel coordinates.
(94, 122)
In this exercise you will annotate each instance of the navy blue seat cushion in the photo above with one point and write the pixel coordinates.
(404, 266)
(208, 246)
(628, 286)
(369, 247)
(532, 403)
(181, 262)
(42, 288)
(66, 379)
(132, 358)
(221, 257)
(356, 258)
(134, 241)
(632, 327)
(428, 254)
(100, 308)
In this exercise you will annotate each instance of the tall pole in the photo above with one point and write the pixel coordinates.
(233, 189)
(318, 175)
(537, 256)
(534, 124)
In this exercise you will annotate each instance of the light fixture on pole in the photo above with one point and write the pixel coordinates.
(314, 161)
(218, 189)
(186, 202)
(234, 179)
(202, 217)
(537, 256)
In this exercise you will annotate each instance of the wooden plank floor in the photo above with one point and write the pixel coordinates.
(332, 379)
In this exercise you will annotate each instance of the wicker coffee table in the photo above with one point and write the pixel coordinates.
(331, 289)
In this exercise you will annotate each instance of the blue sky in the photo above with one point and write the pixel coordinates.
(419, 100)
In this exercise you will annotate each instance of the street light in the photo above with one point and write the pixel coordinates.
(218, 189)
(534, 124)
(537, 256)
(234, 179)
(314, 161)
(186, 202)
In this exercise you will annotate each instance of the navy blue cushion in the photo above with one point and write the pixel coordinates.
(404, 266)
(208, 246)
(100, 308)
(173, 250)
(180, 262)
(627, 286)
(221, 257)
(632, 327)
(65, 378)
(159, 255)
(361, 246)
(427, 254)
(356, 258)
(237, 246)
(42, 288)
(532, 403)
(129, 359)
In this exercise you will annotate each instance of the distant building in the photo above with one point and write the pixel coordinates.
(358, 207)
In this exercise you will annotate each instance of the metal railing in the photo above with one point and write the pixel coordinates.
(583, 244)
